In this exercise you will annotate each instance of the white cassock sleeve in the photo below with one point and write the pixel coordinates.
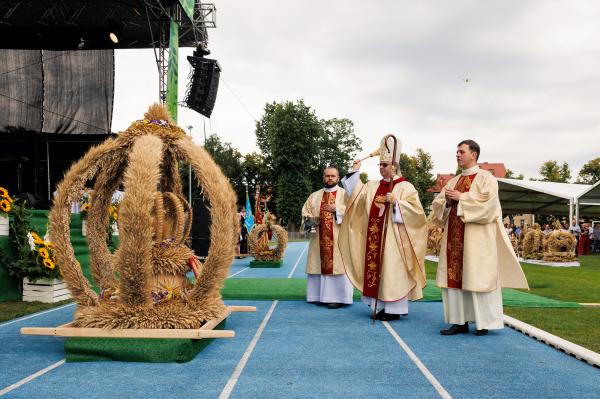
(338, 217)
(349, 182)
(397, 216)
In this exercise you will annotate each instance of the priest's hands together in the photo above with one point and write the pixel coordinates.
(452, 195)
(390, 198)
(328, 208)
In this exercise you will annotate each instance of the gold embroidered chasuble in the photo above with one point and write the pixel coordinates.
(403, 260)
(323, 244)
(488, 258)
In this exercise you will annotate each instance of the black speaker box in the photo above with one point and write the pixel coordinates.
(203, 86)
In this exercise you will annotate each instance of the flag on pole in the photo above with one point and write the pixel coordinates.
(249, 220)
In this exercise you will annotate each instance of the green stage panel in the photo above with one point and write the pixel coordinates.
(266, 264)
(148, 350)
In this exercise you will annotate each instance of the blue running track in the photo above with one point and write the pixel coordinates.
(300, 350)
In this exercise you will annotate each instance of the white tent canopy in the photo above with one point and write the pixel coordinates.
(545, 198)
(588, 202)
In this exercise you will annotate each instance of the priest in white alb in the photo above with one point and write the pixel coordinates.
(476, 257)
(384, 236)
(327, 282)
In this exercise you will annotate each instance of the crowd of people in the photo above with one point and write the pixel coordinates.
(586, 233)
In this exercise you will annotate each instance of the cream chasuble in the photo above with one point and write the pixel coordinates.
(323, 244)
(402, 265)
(476, 257)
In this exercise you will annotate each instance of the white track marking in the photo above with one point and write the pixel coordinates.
(242, 363)
(35, 315)
(436, 384)
(31, 377)
(235, 274)
(298, 261)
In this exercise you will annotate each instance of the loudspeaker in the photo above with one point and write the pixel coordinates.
(200, 228)
(204, 84)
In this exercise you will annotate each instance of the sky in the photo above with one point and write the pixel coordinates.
(522, 78)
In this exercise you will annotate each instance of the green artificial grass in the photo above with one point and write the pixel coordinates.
(570, 284)
(148, 350)
(265, 264)
(581, 326)
(295, 289)
(12, 309)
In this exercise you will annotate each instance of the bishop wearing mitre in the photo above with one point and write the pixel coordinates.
(476, 257)
(327, 283)
(383, 237)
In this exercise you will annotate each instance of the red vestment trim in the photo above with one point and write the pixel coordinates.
(373, 255)
(456, 237)
(326, 233)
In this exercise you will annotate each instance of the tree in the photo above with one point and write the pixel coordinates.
(551, 171)
(417, 170)
(511, 175)
(338, 144)
(590, 172)
(364, 177)
(288, 135)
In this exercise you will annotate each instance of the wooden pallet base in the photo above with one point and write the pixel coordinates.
(206, 331)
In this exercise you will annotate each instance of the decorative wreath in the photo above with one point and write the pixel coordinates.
(561, 247)
(258, 242)
(143, 285)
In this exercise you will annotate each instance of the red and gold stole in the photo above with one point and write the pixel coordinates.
(326, 233)
(373, 254)
(456, 237)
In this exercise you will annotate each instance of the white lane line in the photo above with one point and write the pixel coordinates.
(298, 261)
(235, 274)
(36, 314)
(240, 366)
(436, 384)
(31, 377)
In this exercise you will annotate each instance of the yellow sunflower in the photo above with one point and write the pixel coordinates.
(44, 253)
(5, 206)
(36, 236)
(49, 245)
(3, 192)
(49, 264)
(85, 207)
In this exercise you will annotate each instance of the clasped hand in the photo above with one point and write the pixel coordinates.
(328, 208)
(452, 195)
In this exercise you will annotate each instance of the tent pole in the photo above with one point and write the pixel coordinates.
(577, 210)
(570, 211)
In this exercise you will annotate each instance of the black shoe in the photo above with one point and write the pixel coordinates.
(334, 305)
(381, 315)
(456, 329)
(481, 332)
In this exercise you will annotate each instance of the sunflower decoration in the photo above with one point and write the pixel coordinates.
(5, 201)
(86, 203)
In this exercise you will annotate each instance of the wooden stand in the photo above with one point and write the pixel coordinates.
(206, 331)
(45, 290)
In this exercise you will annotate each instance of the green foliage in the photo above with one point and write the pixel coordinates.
(26, 262)
(364, 177)
(552, 171)
(590, 172)
(337, 145)
(512, 175)
(297, 146)
(417, 170)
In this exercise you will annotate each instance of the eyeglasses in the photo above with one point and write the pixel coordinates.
(383, 165)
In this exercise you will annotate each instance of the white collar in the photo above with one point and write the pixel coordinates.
(470, 171)
(330, 190)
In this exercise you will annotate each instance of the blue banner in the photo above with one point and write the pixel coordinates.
(249, 221)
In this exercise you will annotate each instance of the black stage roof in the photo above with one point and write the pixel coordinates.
(86, 25)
